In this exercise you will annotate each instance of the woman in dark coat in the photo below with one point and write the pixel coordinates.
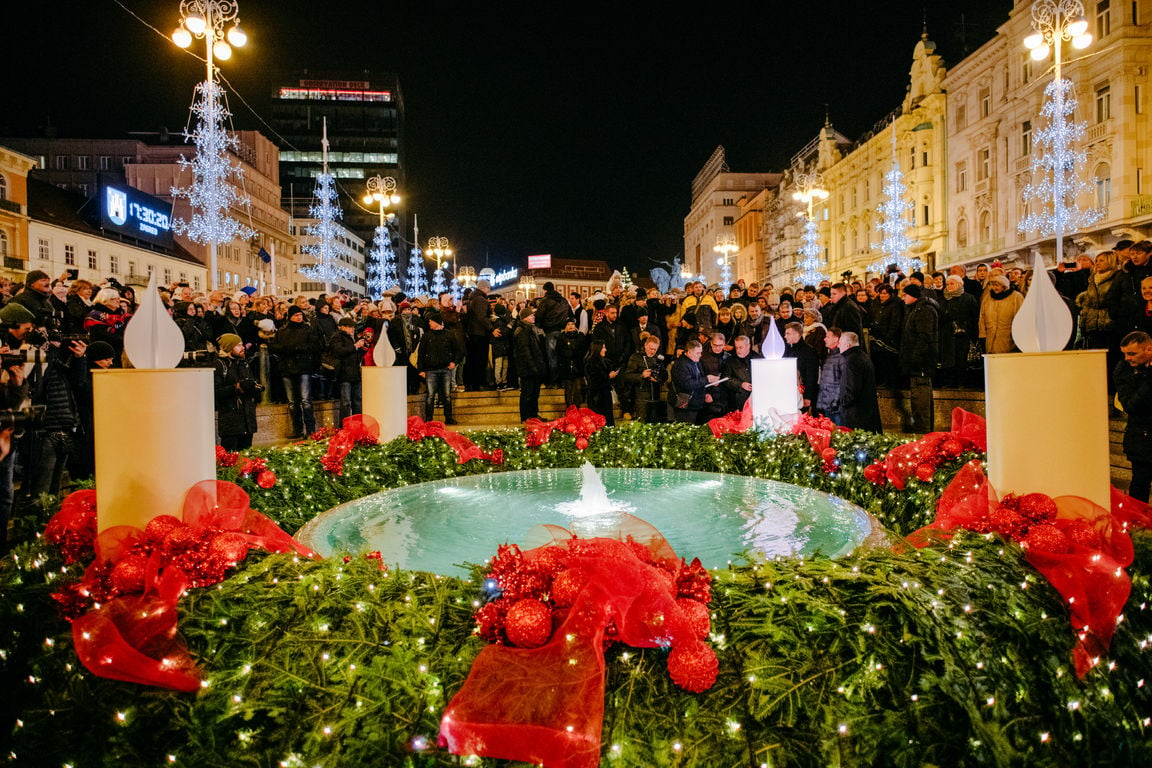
(859, 404)
(959, 327)
(598, 381)
(885, 322)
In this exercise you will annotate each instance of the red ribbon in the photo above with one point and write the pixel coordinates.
(465, 449)
(129, 633)
(546, 705)
(734, 422)
(1089, 576)
(967, 433)
(578, 422)
(355, 430)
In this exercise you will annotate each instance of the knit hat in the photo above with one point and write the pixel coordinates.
(294, 310)
(227, 342)
(1002, 280)
(35, 276)
(347, 322)
(100, 350)
(14, 313)
(913, 290)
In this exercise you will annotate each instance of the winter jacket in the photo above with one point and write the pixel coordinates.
(298, 349)
(236, 396)
(996, 317)
(438, 349)
(1094, 314)
(920, 339)
(832, 374)
(528, 351)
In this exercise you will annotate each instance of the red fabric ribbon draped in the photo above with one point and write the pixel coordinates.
(967, 433)
(1078, 546)
(355, 430)
(545, 705)
(465, 449)
(132, 587)
(736, 421)
(818, 430)
(579, 422)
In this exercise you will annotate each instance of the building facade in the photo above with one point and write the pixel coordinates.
(350, 249)
(14, 168)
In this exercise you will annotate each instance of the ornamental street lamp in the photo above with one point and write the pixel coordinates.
(382, 192)
(382, 272)
(210, 195)
(809, 189)
(1055, 22)
(439, 249)
(725, 246)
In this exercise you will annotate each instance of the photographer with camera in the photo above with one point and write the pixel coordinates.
(237, 393)
(36, 297)
(18, 322)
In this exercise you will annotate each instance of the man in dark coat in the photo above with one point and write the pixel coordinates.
(686, 382)
(298, 349)
(859, 405)
(959, 328)
(477, 334)
(738, 370)
(439, 353)
(1134, 390)
(842, 312)
(807, 365)
(712, 362)
(552, 314)
(345, 351)
(531, 363)
(886, 323)
(36, 297)
(919, 351)
(237, 393)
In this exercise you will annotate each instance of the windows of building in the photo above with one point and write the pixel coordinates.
(985, 102)
(961, 116)
(43, 249)
(70, 255)
(167, 276)
(986, 227)
(196, 283)
(131, 267)
(1026, 68)
(961, 177)
(1103, 103)
(3, 187)
(3, 244)
(926, 219)
(1026, 138)
(1103, 19)
(105, 162)
(83, 163)
(924, 158)
(93, 260)
(63, 162)
(1103, 180)
(729, 221)
(114, 264)
(962, 233)
(984, 164)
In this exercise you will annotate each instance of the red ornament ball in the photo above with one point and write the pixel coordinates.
(925, 472)
(160, 526)
(951, 448)
(828, 454)
(179, 538)
(697, 614)
(266, 479)
(231, 548)
(581, 443)
(1037, 507)
(528, 623)
(128, 574)
(567, 585)
(1081, 533)
(693, 666)
(876, 473)
(1008, 522)
(1047, 538)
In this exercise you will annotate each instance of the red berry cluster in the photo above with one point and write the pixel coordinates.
(379, 558)
(1031, 520)
(205, 556)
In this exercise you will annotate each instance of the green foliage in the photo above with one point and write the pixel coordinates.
(959, 654)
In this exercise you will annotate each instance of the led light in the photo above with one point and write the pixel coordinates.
(1081, 41)
(237, 36)
(182, 37)
(1033, 40)
(1078, 27)
(222, 50)
(196, 23)
(1040, 52)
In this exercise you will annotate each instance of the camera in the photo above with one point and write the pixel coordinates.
(198, 356)
(20, 418)
(20, 357)
(250, 386)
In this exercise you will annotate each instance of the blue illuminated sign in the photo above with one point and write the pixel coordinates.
(135, 214)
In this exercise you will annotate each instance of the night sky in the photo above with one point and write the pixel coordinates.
(570, 129)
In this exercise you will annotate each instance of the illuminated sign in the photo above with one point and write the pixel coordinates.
(543, 261)
(505, 276)
(135, 214)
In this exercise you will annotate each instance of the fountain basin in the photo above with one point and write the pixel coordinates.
(439, 526)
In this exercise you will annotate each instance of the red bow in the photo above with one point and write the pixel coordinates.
(465, 449)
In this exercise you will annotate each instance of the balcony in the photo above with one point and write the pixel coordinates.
(1142, 206)
(1097, 132)
(11, 262)
(10, 205)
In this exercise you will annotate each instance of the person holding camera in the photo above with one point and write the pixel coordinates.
(237, 393)
(645, 372)
(344, 350)
(17, 321)
(60, 384)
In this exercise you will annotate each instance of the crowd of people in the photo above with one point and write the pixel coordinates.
(682, 355)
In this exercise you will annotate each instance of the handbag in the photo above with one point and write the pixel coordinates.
(412, 358)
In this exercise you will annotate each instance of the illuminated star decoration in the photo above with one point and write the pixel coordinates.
(438, 284)
(895, 222)
(1051, 195)
(215, 177)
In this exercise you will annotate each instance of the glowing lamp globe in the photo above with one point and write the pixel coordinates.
(195, 23)
(237, 36)
(222, 50)
(1033, 40)
(1080, 42)
(1040, 52)
(182, 37)
(1078, 27)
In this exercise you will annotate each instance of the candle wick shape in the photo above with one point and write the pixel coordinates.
(773, 348)
(152, 339)
(1043, 323)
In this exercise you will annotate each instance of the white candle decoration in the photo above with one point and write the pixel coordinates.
(386, 399)
(151, 338)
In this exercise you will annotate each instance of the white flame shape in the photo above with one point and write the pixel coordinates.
(1043, 323)
(152, 339)
(383, 354)
(773, 345)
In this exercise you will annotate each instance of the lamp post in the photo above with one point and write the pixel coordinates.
(809, 189)
(439, 248)
(1054, 22)
(725, 246)
(381, 191)
(205, 20)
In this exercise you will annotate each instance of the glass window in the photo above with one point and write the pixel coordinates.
(985, 102)
(1026, 137)
(93, 260)
(3, 187)
(114, 264)
(105, 162)
(1103, 185)
(70, 255)
(961, 177)
(63, 163)
(1103, 19)
(83, 162)
(1103, 103)
(984, 168)
(3, 244)
(44, 249)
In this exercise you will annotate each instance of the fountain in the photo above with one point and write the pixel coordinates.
(439, 526)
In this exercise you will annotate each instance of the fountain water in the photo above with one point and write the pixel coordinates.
(440, 525)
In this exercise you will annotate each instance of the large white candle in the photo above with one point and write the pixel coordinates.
(155, 436)
(774, 388)
(386, 398)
